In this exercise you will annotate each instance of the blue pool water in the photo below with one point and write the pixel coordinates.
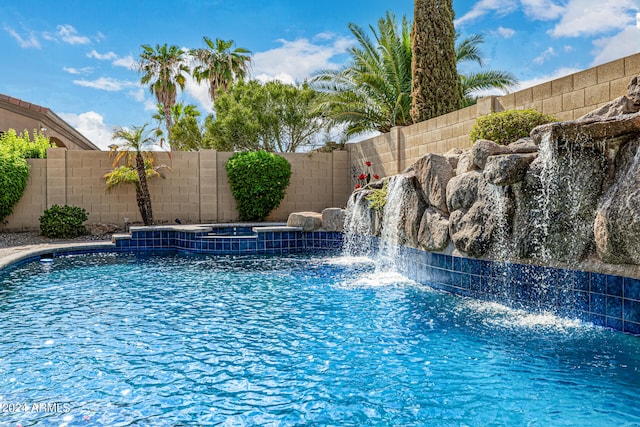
(123, 340)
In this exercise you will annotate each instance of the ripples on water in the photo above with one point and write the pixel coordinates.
(199, 340)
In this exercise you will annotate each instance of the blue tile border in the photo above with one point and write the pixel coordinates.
(603, 299)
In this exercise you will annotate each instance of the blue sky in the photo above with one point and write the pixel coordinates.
(76, 56)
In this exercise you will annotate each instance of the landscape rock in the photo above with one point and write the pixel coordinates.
(333, 219)
(309, 221)
(619, 106)
(462, 190)
(99, 229)
(405, 203)
(523, 145)
(453, 156)
(465, 163)
(433, 234)
(483, 148)
(432, 173)
(507, 169)
(617, 221)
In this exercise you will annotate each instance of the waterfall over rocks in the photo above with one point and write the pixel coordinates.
(569, 192)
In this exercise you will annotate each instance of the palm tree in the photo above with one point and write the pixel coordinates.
(219, 65)
(164, 70)
(374, 92)
(468, 50)
(139, 165)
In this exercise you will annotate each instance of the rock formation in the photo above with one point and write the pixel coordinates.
(569, 191)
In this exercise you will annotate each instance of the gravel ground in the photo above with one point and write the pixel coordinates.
(10, 240)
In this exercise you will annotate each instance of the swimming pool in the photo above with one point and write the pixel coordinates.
(115, 339)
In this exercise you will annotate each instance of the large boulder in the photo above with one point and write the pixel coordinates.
(462, 190)
(432, 173)
(433, 234)
(555, 204)
(617, 221)
(470, 230)
(523, 145)
(453, 156)
(507, 169)
(403, 210)
(333, 219)
(483, 148)
(309, 221)
(465, 163)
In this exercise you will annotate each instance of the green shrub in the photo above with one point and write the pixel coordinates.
(63, 222)
(24, 146)
(258, 182)
(14, 173)
(378, 198)
(506, 127)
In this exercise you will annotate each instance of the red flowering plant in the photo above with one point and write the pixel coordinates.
(365, 178)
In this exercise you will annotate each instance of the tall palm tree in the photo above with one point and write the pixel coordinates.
(219, 65)
(139, 165)
(374, 92)
(164, 69)
(468, 50)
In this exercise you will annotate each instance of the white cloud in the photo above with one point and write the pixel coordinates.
(298, 59)
(590, 17)
(106, 83)
(484, 7)
(542, 9)
(200, 92)
(24, 42)
(77, 71)
(69, 34)
(92, 126)
(505, 32)
(126, 62)
(544, 56)
(102, 56)
(622, 44)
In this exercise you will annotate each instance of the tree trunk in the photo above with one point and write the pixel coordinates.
(436, 86)
(142, 192)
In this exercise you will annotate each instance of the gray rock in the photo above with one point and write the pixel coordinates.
(404, 209)
(484, 148)
(333, 219)
(619, 106)
(617, 221)
(523, 145)
(309, 221)
(99, 229)
(453, 156)
(465, 163)
(469, 230)
(433, 234)
(462, 190)
(507, 169)
(433, 172)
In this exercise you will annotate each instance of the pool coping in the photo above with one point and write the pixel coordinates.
(17, 254)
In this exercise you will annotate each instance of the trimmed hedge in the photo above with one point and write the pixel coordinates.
(258, 181)
(63, 222)
(506, 127)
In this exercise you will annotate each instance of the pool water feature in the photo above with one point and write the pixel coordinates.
(190, 339)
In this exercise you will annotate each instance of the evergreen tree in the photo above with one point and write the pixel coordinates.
(436, 88)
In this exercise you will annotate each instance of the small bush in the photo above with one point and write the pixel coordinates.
(508, 126)
(378, 198)
(14, 173)
(258, 182)
(63, 222)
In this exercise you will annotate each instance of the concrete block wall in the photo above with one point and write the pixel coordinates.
(195, 189)
(567, 98)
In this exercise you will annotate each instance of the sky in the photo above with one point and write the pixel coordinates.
(77, 57)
